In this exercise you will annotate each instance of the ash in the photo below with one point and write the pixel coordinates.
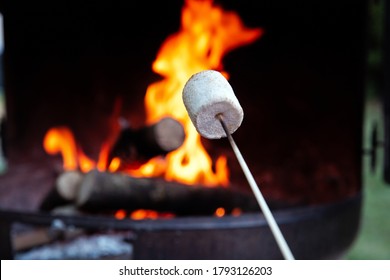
(87, 248)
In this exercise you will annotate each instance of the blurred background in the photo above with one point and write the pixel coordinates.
(373, 241)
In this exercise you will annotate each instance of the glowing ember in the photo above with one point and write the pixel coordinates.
(220, 212)
(207, 33)
(120, 214)
(142, 214)
(236, 212)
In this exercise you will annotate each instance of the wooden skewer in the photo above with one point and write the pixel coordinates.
(280, 240)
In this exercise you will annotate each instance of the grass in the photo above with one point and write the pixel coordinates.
(373, 241)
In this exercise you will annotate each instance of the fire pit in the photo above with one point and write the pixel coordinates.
(301, 92)
(317, 232)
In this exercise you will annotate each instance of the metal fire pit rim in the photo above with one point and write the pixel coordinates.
(251, 220)
(246, 220)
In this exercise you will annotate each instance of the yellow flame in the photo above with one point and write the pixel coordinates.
(207, 33)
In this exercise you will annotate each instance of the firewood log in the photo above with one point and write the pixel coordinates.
(64, 191)
(101, 191)
(140, 145)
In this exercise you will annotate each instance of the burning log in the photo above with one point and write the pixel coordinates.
(101, 191)
(145, 143)
(64, 191)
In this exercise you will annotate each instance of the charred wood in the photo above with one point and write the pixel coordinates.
(111, 191)
(140, 145)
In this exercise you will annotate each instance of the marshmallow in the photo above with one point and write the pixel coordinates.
(206, 95)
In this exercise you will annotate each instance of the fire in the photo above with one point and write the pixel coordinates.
(207, 33)
(61, 140)
(142, 214)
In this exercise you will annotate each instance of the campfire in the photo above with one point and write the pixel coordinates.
(206, 34)
(101, 149)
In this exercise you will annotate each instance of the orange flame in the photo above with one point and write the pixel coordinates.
(61, 140)
(207, 33)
